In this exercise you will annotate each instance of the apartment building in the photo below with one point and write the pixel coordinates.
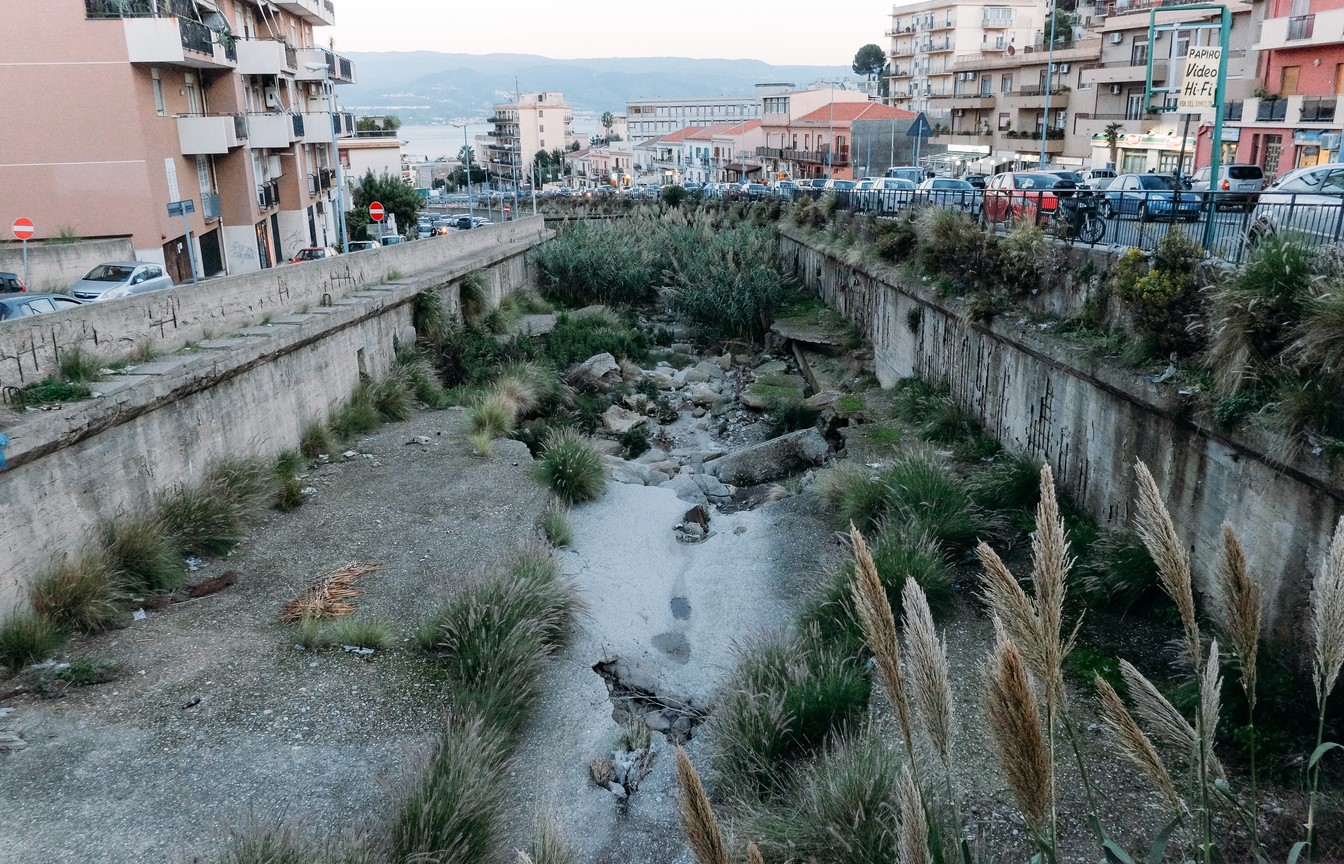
(927, 36)
(724, 152)
(1152, 136)
(781, 154)
(537, 121)
(662, 159)
(122, 106)
(647, 119)
(1288, 113)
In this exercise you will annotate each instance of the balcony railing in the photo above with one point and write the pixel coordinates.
(1232, 109)
(196, 36)
(210, 211)
(347, 68)
(1271, 109)
(268, 194)
(298, 125)
(325, 177)
(138, 8)
(1318, 110)
(314, 185)
(1301, 27)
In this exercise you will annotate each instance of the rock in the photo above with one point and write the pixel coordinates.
(682, 348)
(690, 532)
(633, 473)
(635, 401)
(695, 455)
(687, 489)
(662, 380)
(771, 367)
(703, 394)
(652, 455)
(825, 329)
(822, 401)
(10, 741)
(618, 420)
(419, 439)
(714, 490)
(605, 446)
(600, 370)
(771, 459)
(698, 413)
(711, 371)
(349, 454)
(694, 375)
(697, 515)
(755, 401)
(726, 361)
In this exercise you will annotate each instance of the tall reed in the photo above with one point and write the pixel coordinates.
(879, 630)
(1240, 605)
(1327, 620)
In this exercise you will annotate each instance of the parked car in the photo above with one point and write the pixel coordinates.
(1074, 177)
(120, 279)
(1020, 196)
(1238, 185)
(466, 223)
(753, 192)
(884, 194)
(950, 194)
(361, 245)
(10, 283)
(314, 253)
(1307, 203)
(784, 189)
(22, 305)
(1148, 197)
(912, 173)
(392, 240)
(1095, 176)
(976, 180)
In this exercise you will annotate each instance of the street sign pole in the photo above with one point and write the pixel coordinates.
(25, 261)
(23, 229)
(919, 130)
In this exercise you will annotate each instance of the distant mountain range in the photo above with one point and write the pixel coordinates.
(428, 86)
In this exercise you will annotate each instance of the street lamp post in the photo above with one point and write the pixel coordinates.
(1049, 70)
(335, 154)
(471, 201)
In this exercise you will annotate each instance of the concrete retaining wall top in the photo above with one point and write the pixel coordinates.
(52, 268)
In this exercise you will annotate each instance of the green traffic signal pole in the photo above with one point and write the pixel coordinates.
(1220, 91)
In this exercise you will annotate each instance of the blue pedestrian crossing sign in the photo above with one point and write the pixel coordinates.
(920, 128)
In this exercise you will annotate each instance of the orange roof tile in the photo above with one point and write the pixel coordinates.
(848, 112)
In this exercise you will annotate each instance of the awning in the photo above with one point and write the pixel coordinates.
(742, 167)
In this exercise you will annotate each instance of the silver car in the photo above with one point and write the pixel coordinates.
(1307, 203)
(950, 194)
(118, 279)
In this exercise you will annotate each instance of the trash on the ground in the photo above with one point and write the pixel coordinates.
(419, 439)
(308, 491)
(138, 615)
(323, 459)
(349, 454)
(366, 455)
(191, 703)
(355, 649)
(194, 563)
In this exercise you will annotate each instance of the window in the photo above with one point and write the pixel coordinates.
(1288, 81)
(203, 173)
(1006, 84)
(159, 105)
(986, 86)
(1004, 120)
(193, 95)
(1138, 54)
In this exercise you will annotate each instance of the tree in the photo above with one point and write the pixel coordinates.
(884, 82)
(1112, 134)
(1063, 22)
(439, 183)
(608, 121)
(478, 175)
(378, 126)
(396, 196)
(575, 146)
(466, 154)
(869, 60)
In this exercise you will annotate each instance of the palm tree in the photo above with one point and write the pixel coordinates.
(466, 155)
(1112, 133)
(608, 121)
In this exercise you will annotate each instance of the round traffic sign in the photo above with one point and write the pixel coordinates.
(376, 211)
(23, 228)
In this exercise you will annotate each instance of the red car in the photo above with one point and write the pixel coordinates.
(313, 253)
(1020, 196)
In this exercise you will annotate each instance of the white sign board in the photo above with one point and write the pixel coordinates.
(1200, 83)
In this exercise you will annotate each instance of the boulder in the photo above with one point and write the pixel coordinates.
(662, 380)
(633, 473)
(683, 348)
(618, 420)
(703, 394)
(771, 367)
(754, 401)
(600, 371)
(725, 361)
(711, 371)
(714, 490)
(694, 375)
(653, 454)
(822, 401)
(771, 459)
(687, 489)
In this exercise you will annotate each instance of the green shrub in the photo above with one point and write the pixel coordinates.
(312, 634)
(950, 243)
(898, 238)
(727, 283)
(855, 493)
(77, 367)
(634, 442)
(782, 701)
(241, 480)
(394, 396)
(272, 844)
(482, 443)
(28, 637)
(1162, 299)
(576, 339)
(493, 415)
(1026, 259)
(316, 440)
(51, 391)
(1007, 483)
(548, 844)
(429, 315)
(559, 530)
(614, 263)
(78, 594)
(204, 520)
(842, 808)
(288, 463)
(789, 416)
(926, 493)
(452, 808)
(571, 467)
(420, 374)
(472, 300)
(358, 416)
(673, 195)
(1118, 572)
(88, 672)
(140, 550)
(359, 632)
(1304, 405)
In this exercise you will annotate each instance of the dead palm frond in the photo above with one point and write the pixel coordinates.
(698, 823)
(328, 595)
(879, 630)
(1015, 723)
(1134, 744)
(1158, 533)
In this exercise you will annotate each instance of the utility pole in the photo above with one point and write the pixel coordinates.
(1049, 72)
(466, 148)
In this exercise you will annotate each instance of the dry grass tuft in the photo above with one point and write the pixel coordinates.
(929, 678)
(1015, 723)
(1134, 744)
(80, 594)
(698, 824)
(1050, 569)
(1327, 618)
(754, 855)
(913, 843)
(1239, 601)
(328, 595)
(879, 630)
(1158, 533)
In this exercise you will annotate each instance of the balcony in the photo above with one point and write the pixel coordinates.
(345, 70)
(343, 124)
(1033, 98)
(996, 21)
(823, 156)
(319, 13)
(1301, 31)
(316, 127)
(315, 57)
(268, 194)
(272, 131)
(210, 210)
(1271, 111)
(175, 42)
(1124, 71)
(963, 138)
(1316, 109)
(266, 57)
(1089, 125)
(971, 101)
(201, 135)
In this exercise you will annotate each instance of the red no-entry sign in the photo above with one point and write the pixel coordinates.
(23, 228)
(376, 211)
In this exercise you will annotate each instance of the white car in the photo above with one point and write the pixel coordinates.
(885, 194)
(118, 279)
(950, 194)
(1307, 203)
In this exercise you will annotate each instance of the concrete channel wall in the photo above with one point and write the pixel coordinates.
(1044, 397)
(248, 393)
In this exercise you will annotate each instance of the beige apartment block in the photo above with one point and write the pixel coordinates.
(926, 38)
(122, 106)
(537, 121)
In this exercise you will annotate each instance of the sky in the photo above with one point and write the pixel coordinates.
(826, 33)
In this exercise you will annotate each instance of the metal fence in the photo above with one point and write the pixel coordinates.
(1225, 222)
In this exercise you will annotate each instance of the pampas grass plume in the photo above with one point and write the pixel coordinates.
(1016, 725)
(698, 824)
(879, 630)
(1134, 744)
